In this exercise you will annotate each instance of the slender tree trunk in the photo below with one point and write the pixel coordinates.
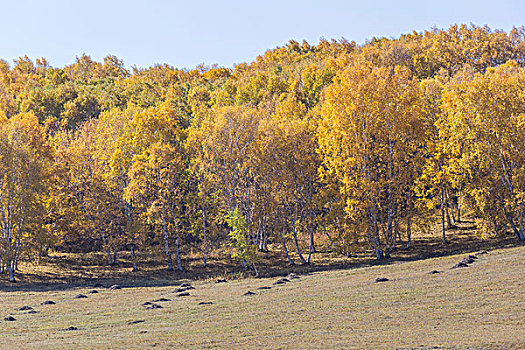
(205, 241)
(294, 230)
(447, 214)
(443, 228)
(286, 249)
(329, 237)
(179, 263)
(458, 219)
(451, 219)
(374, 239)
(508, 184)
(522, 232)
(409, 232)
(106, 247)
(11, 269)
(255, 269)
(522, 226)
(389, 236)
(397, 232)
(108, 254)
(452, 215)
(513, 225)
(133, 258)
(311, 248)
(263, 245)
(17, 254)
(166, 240)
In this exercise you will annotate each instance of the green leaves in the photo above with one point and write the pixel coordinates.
(243, 250)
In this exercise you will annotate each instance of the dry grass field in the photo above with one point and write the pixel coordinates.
(477, 307)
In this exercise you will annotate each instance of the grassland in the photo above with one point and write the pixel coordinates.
(479, 307)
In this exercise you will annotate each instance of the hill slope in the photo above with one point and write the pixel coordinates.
(476, 307)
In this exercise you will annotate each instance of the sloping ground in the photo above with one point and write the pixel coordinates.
(68, 270)
(481, 306)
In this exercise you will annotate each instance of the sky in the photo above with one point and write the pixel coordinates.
(187, 33)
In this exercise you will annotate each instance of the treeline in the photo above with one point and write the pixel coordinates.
(359, 144)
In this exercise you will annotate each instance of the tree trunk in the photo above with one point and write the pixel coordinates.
(311, 248)
(286, 249)
(108, 254)
(133, 258)
(513, 225)
(255, 269)
(390, 238)
(264, 243)
(379, 254)
(179, 263)
(373, 236)
(11, 269)
(452, 216)
(261, 235)
(205, 242)
(166, 240)
(397, 232)
(387, 253)
(522, 229)
(329, 238)
(443, 228)
(409, 232)
(294, 230)
(105, 244)
(17, 254)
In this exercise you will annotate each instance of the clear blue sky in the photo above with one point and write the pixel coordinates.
(187, 33)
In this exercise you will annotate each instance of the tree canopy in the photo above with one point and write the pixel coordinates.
(363, 143)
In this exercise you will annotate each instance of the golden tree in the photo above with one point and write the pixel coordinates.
(371, 137)
(483, 127)
(25, 158)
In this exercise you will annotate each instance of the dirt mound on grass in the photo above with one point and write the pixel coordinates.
(281, 281)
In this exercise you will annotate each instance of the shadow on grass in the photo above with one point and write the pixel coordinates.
(421, 249)
(462, 240)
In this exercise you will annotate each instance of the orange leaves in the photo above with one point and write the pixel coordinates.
(25, 159)
(483, 114)
(371, 134)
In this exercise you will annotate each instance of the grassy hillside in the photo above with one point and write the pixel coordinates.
(476, 307)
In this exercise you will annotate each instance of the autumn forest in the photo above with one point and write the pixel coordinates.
(361, 146)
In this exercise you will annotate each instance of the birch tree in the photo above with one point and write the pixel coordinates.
(370, 137)
(25, 158)
(484, 127)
